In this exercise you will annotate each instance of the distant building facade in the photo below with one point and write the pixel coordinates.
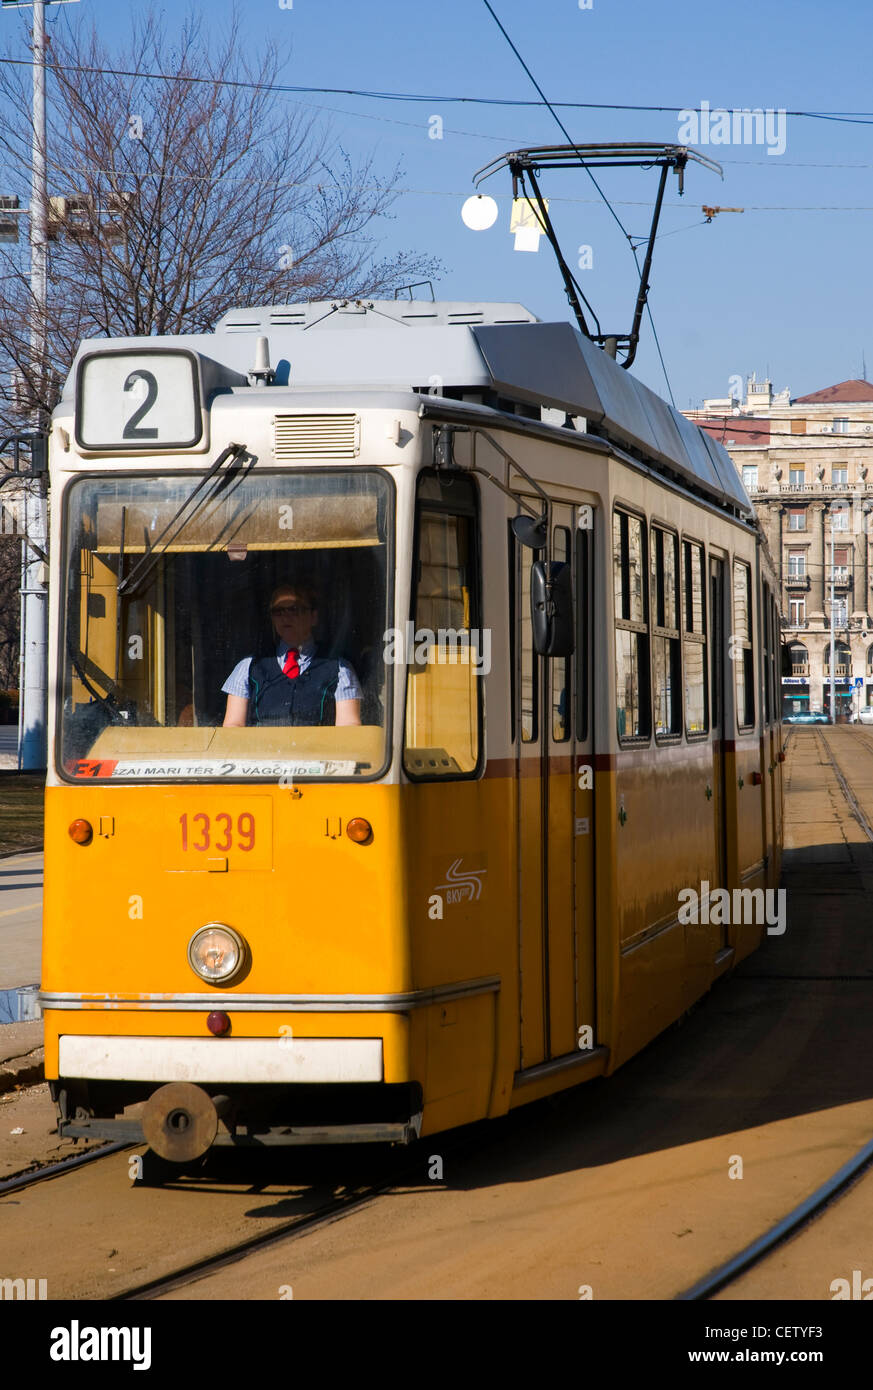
(807, 464)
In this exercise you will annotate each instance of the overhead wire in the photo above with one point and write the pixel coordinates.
(858, 117)
(611, 209)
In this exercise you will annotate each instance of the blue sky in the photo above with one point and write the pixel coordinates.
(783, 288)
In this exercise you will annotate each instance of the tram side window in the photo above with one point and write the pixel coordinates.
(767, 647)
(444, 682)
(666, 686)
(775, 669)
(632, 692)
(583, 630)
(740, 646)
(694, 641)
(561, 666)
(530, 663)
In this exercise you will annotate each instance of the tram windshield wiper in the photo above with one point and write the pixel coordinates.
(143, 568)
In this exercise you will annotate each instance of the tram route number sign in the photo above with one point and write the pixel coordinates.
(138, 400)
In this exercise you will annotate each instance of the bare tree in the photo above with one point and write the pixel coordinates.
(10, 578)
(184, 198)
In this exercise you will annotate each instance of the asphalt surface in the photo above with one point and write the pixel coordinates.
(20, 920)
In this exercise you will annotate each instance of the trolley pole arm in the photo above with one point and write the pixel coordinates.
(566, 273)
(643, 289)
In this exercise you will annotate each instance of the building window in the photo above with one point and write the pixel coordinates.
(799, 658)
(840, 612)
(750, 477)
(632, 690)
(797, 518)
(796, 564)
(666, 683)
(694, 639)
(841, 427)
(796, 612)
(840, 475)
(796, 477)
(840, 516)
(843, 660)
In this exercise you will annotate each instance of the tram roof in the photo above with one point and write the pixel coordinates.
(467, 346)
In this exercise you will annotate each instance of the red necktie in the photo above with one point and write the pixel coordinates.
(291, 668)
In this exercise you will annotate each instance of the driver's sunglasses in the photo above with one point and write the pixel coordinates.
(291, 610)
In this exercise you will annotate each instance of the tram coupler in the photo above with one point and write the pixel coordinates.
(180, 1121)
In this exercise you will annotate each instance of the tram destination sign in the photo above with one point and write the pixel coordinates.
(144, 768)
(138, 400)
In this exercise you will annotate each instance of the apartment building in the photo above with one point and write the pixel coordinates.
(807, 464)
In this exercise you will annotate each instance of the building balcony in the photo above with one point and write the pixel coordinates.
(797, 581)
(800, 668)
(842, 577)
(842, 672)
(804, 489)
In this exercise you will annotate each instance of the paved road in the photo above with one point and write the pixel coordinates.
(20, 920)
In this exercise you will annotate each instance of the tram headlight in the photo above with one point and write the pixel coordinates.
(217, 953)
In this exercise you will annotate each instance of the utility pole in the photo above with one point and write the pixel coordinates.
(34, 595)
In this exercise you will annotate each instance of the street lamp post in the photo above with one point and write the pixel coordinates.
(34, 596)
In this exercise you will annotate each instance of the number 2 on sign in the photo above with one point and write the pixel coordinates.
(222, 827)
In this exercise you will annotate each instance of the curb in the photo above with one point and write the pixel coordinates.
(22, 1071)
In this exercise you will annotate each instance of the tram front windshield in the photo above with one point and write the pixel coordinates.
(179, 596)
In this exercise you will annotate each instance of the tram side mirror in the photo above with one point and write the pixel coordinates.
(530, 531)
(551, 615)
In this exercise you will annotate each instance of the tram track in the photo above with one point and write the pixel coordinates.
(852, 801)
(476, 1142)
(57, 1170)
(836, 1187)
(363, 1190)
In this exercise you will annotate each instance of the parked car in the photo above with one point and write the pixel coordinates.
(806, 717)
(865, 714)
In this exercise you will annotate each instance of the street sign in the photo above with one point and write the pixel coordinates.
(859, 681)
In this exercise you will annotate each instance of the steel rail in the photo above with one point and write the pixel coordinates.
(66, 1165)
(835, 1186)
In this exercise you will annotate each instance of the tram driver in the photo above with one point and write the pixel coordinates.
(296, 685)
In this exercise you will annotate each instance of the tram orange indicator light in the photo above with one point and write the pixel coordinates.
(218, 1023)
(81, 831)
(359, 830)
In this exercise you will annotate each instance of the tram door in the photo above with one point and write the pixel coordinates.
(556, 969)
(717, 598)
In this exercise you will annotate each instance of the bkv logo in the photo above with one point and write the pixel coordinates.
(23, 1288)
(461, 885)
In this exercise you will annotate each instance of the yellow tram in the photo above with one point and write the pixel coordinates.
(546, 635)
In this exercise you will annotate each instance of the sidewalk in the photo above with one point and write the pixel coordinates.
(21, 877)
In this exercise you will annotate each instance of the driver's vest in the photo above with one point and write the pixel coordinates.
(308, 699)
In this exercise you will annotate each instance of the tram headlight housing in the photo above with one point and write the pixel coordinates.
(217, 953)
